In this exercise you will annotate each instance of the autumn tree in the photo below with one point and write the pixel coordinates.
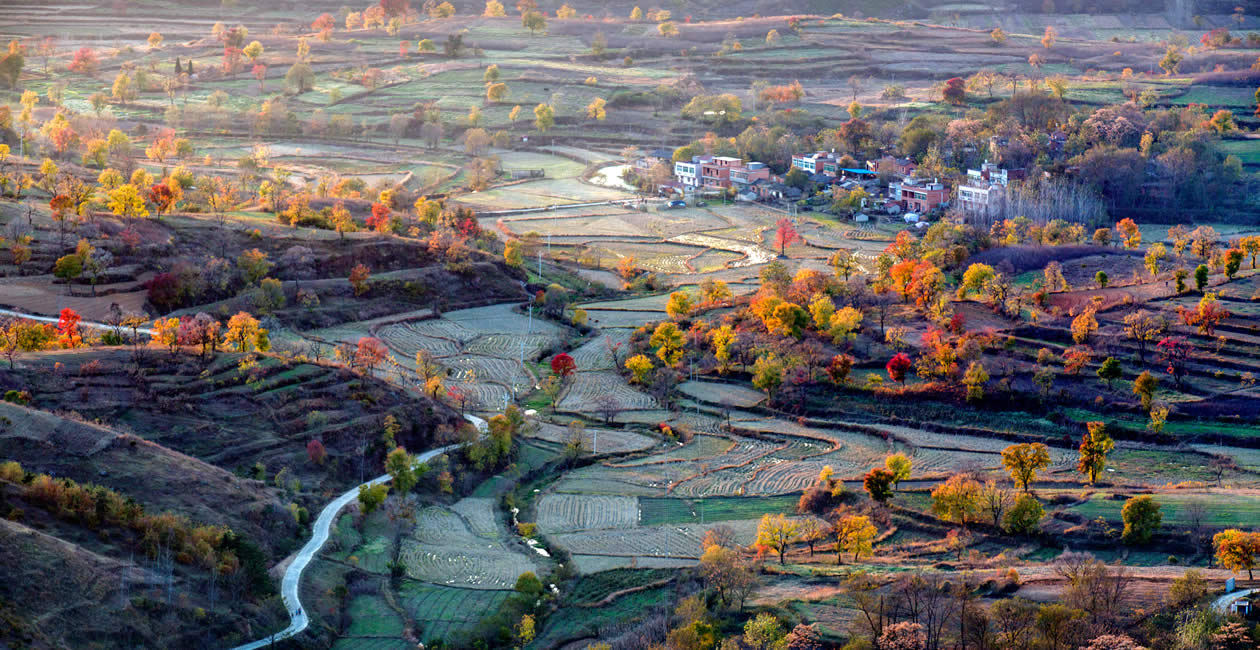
(400, 466)
(785, 235)
(1095, 445)
(878, 484)
(855, 534)
(1144, 387)
(1237, 550)
(244, 333)
(1084, 326)
(957, 499)
(897, 367)
(1130, 232)
(679, 305)
(900, 465)
(1175, 351)
(359, 278)
(1206, 315)
(668, 341)
(563, 365)
(1022, 461)
(1144, 329)
(777, 532)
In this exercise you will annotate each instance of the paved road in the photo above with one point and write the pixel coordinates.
(319, 535)
(1222, 604)
(82, 323)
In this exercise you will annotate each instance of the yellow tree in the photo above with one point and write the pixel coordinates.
(854, 534)
(1024, 460)
(166, 333)
(668, 341)
(957, 499)
(494, 9)
(900, 465)
(244, 333)
(722, 338)
(1095, 445)
(125, 201)
(777, 532)
(639, 365)
(595, 110)
(679, 305)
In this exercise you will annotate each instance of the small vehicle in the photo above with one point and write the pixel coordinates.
(700, 204)
(676, 203)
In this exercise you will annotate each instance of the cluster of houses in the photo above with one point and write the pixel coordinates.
(907, 195)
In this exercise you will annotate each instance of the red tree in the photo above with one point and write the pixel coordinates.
(68, 329)
(359, 277)
(563, 365)
(164, 291)
(231, 59)
(403, 48)
(379, 221)
(839, 368)
(786, 235)
(955, 91)
(323, 24)
(897, 367)
(162, 198)
(260, 73)
(1175, 351)
(84, 61)
(370, 353)
(316, 452)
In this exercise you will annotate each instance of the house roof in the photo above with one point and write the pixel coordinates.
(661, 153)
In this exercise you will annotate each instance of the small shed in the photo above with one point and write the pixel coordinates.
(1241, 607)
(861, 217)
(911, 217)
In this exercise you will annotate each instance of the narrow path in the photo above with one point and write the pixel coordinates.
(298, 620)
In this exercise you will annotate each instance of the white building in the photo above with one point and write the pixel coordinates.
(688, 172)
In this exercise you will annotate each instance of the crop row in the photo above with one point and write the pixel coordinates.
(570, 512)
(588, 390)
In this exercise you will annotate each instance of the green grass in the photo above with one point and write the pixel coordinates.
(670, 511)
(595, 587)
(370, 616)
(1219, 509)
(570, 623)
(444, 612)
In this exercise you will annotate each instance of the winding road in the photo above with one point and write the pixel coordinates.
(1222, 604)
(82, 323)
(298, 619)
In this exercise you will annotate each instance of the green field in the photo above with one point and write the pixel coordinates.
(1219, 509)
(442, 612)
(657, 511)
(371, 616)
(576, 622)
(597, 586)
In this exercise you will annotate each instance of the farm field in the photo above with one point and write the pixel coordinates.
(452, 187)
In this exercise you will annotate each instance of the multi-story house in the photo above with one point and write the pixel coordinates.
(917, 195)
(716, 172)
(688, 171)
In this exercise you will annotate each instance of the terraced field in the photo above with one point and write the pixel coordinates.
(598, 353)
(570, 512)
(462, 547)
(603, 441)
(588, 388)
(670, 541)
(442, 612)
